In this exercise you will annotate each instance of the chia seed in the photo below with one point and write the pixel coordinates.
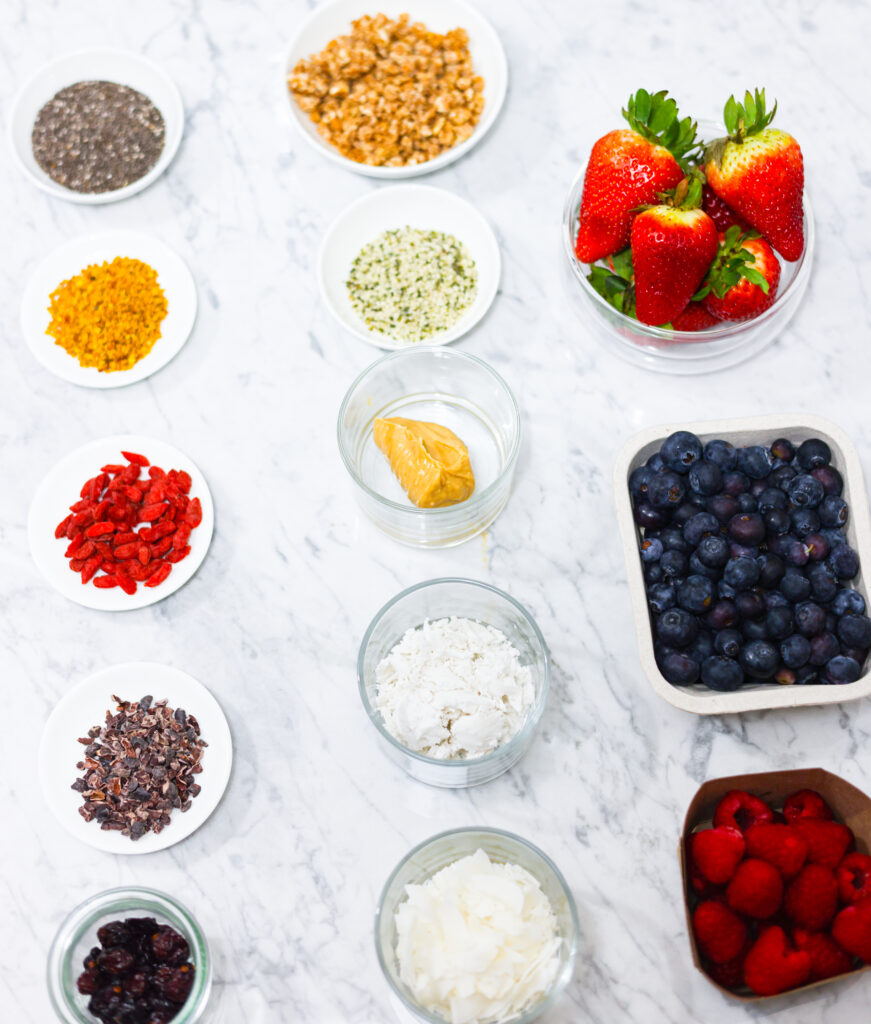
(98, 136)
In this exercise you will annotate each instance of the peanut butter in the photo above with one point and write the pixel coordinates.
(430, 461)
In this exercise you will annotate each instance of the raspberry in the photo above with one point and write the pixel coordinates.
(827, 958)
(806, 803)
(811, 900)
(779, 845)
(720, 933)
(716, 852)
(854, 877)
(741, 810)
(756, 889)
(773, 966)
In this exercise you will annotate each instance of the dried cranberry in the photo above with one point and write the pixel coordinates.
(115, 933)
(115, 961)
(178, 985)
(88, 981)
(169, 946)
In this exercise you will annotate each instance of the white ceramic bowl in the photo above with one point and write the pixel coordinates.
(60, 488)
(333, 18)
(682, 352)
(70, 259)
(85, 706)
(750, 430)
(415, 206)
(118, 66)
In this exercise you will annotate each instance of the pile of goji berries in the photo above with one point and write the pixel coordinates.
(107, 544)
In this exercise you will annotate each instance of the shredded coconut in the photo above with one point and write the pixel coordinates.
(453, 688)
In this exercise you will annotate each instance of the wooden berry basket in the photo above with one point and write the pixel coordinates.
(750, 430)
(849, 804)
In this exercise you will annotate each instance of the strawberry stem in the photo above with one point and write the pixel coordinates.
(655, 118)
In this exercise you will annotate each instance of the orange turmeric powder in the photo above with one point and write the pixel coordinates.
(109, 315)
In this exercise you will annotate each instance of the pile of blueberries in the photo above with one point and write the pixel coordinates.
(747, 565)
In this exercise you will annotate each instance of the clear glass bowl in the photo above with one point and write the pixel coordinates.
(682, 352)
(440, 851)
(439, 599)
(78, 935)
(442, 386)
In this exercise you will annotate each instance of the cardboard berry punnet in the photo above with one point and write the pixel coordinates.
(849, 805)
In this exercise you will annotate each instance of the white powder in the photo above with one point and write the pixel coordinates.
(453, 688)
(478, 941)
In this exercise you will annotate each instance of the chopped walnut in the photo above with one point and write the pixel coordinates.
(391, 93)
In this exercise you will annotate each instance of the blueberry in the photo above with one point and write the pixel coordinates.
(705, 478)
(817, 546)
(713, 551)
(701, 524)
(683, 513)
(638, 480)
(728, 642)
(783, 449)
(774, 599)
(854, 630)
(833, 511)
(655, 462)
(681, 450)
(672, 539)
(722, 453)
(805, 521)
(698, 567)
(830, 478)
(807, 675)
(735, 483)
(747, 503)
(726, 591)
(759, 659)
(795, 552)
(822, 580)
(722, 673)
(647, 517)
(750, 604)
(754, 629)
(833, 536)
(652, 572)
(824, 647)
(665, 490)
(846, 601)
(805, 491)
(741, 573)
(771, 498)
(844, 562)
(702, 647)
(679, 669)
(661, 597)
(779, 623)
(723, 506)
(842, 670)
(695, 594)
(651, 550)
(813, 453)
(795, 650)
(674, 564)
(771, 569)
(722, 615)
(757, 487)
(781, 476)
(737, 550)
(810, 618)
(677, 627)
(755, 461)
(777, 521)
(747, 528)
(795, 586)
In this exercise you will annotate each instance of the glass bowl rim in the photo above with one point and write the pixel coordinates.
(478, 497)
(563, 976)
(535, 713)
(74, 925)
(695, 339)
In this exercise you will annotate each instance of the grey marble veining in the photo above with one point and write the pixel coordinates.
(286, 873)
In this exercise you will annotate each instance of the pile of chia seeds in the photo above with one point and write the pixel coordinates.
(98, 136)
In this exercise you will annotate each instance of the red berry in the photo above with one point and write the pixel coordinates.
(741, 810)
(720, 933)
(779, 845)
(827, 958)
(811, 900)
(854, 877)
(772, 965)
(716, 852)
(852, 929)
(827, 841)
(806, 803)
(729, 975)
(756, 889)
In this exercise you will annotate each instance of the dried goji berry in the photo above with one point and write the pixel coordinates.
(80, 506)
(130, 474)
(74, 545)
(155, 493)
(83, 518)
(194, 514)
(72, 529)
(140, 460)
(158, 577)
(86, 550)
(61, 529)
(99, 529)
(147, 534)
(176, 555)
(85, 492)
(159, 549)
(128, 550)
(136, 571)
(161, 529)
(90, 567)
(77, 564)
(131, 492)
(104, 550)
(151, 513)
(114, 469)
(108, 566)
(156, 473)
(181, 535)
(123, 538)
(101, 510)
(184, 481)
(105, 582)
(144, 554)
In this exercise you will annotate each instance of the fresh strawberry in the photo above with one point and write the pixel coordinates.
(673, 245)
(720, 933)
(722, 215)
(852, 930)
(811, 899)
(730, 975)
(742, 281)
(806, 803)
(828, 841)
(716, 852)
(756, 889)
(827, 958)
(759, 172)
(854, 877)
(772, 965)
(741, 810)
(779, 845)
(628, 168)
(694, 318)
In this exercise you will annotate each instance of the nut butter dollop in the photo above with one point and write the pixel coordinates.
(430, 461)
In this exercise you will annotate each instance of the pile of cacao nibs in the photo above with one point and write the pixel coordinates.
(141, 971)
(139, 767)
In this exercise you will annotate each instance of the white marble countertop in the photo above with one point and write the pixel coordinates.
(285, 875)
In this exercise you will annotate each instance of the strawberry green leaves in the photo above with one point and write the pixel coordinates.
(749, 117)
(615, 282)
(655, 118)
(731, 264)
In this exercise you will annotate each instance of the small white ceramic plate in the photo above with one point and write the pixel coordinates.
(333, 18)
(60, 489)
(118, 66)
(415, 206)
(86, 705)
(70, 259)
